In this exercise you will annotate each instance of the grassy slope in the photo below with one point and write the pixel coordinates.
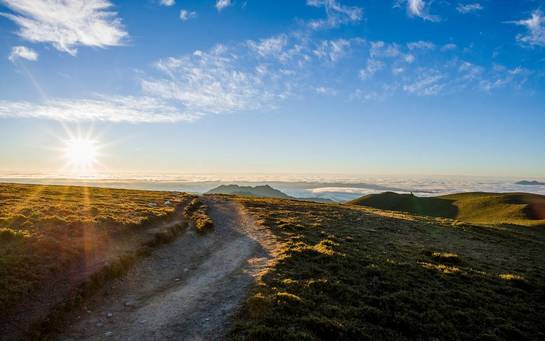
(349, 272)
(479, 208)
(45, 230)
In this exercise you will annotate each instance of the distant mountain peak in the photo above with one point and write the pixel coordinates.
(262, 191)
(530, 183)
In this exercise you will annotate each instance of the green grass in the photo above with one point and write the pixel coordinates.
(354, 273)
(46, 230)
(521, 209)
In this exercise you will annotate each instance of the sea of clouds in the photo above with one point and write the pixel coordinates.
(334, 187)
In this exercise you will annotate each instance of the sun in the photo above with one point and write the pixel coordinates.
(81, 154)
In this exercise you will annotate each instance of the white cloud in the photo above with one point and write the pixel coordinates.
(502, 77)
(448, 47)
(167, 2)
(221, 80)
(373, 66)
(67, 24)
(185, 15)
(332, 50)
(418, 8)
(22, 52)
(429, 83)
(382, 49)
(398, 70)
(322, 90)
(270, 47)
(218, 81)
(469, 71)
(336, 14)
(469, 8)
(221, 4)
(109, 109)
(409, 58)
(536, 29)
(421, 45)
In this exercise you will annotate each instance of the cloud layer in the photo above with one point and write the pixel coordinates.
(221, 80)
(67, 24)
(262, 74)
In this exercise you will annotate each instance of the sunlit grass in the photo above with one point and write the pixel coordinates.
(351, 273)
(46, 229)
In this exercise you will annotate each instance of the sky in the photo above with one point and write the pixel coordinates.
(402, 87)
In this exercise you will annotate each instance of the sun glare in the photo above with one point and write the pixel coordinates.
(81, 154)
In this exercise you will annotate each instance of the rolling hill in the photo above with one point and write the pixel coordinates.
(479, 208)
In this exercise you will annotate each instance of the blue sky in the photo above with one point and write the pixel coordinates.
(309, 86)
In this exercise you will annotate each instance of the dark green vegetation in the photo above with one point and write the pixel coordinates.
(478, 208)
(355, 273)
(57, 236)
(197, 212)
(265, 191)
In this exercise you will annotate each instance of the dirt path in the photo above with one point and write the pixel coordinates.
(185, 290)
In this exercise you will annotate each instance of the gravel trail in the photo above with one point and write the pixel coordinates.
(186, 290)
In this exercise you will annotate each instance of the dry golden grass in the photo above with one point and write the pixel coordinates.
(46, 230)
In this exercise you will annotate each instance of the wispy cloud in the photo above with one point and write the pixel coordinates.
(336, 14)
(418, 8)
(262, 74)
(22, 52)
(221, 4)
(217, 81)
(429, 83)
(422, 70)
(536, 29)
(332, 50)
(469, 8)
(167, 2)
(272, 46)
(322, 90)
(448, 47)
(185, 15)
(67, 24)
(421, 45)
(501, 77)
(382, 49)
(110, 109)
(373, 66)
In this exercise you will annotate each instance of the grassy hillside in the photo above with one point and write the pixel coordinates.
(265, 191)
(355, 273)
(45, 231)
(480, 208)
